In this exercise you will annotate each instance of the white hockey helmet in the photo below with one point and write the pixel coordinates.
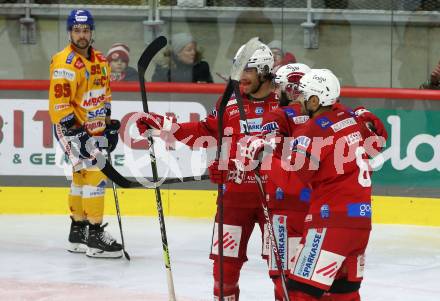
(287, 77)
(262, 59)
(321, 83)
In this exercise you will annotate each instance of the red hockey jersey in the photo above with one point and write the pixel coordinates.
(282, 123)
(328, 153)
(236, 195)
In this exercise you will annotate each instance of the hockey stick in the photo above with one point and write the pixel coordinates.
(264, 205)
(118, 212)
(123, 182)
(236, 70)
(142, 65)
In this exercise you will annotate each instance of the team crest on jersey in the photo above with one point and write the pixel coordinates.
(79, 63)
(70, 58)
(234, 111)
(323, 122)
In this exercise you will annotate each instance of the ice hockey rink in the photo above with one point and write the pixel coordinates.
(403, 263)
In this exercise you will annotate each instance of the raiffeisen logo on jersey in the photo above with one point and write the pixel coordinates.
(254, 125)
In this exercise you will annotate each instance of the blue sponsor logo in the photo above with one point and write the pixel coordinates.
(279, 194)
(312, 258)
(97, 113)
(259, 110)
(70, 58)
(270, 127)
(323, 122)
(303, 141)
(254, 125)
(359, 210)
(289, 112)
(87, 75)
(304, 195)
(325, 211)
(279, 224)
(67, 118)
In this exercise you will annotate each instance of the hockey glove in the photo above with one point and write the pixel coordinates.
(154, 121)
(253, 149)
(112, 134)
(80, 142)
(222, 173)
(373, 122)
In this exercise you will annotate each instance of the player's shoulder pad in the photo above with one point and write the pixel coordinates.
(232, 101)
(100, 57)
(60, 69)
(344, 119)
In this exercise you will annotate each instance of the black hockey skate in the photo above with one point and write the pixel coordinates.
(78, 237)
(100, 244)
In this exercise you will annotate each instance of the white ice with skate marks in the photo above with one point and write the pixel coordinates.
(403, 263)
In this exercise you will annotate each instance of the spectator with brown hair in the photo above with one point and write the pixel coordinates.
(280, 57)
(182, 62)
(118, 57)
(434, 82)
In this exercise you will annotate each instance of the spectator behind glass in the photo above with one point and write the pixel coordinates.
(434, 82)
(182, 62)
(280, 58)
(118, 58)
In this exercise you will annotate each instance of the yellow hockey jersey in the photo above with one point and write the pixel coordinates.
(80, 88)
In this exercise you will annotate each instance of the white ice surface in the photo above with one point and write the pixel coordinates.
(403, 263)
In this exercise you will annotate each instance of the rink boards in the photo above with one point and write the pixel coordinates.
(197, 204)
(32, 181)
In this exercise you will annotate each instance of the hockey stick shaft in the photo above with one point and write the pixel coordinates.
(143, 63)
(220, 212)
(123, 182)
(264, 204)
(237, 68)
(118, 213)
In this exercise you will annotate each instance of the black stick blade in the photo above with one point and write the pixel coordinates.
(152, 49)
(127, 256)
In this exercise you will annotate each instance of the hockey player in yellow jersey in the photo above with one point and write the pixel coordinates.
(80, 109)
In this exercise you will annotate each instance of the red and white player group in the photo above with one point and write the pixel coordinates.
(312, 154)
